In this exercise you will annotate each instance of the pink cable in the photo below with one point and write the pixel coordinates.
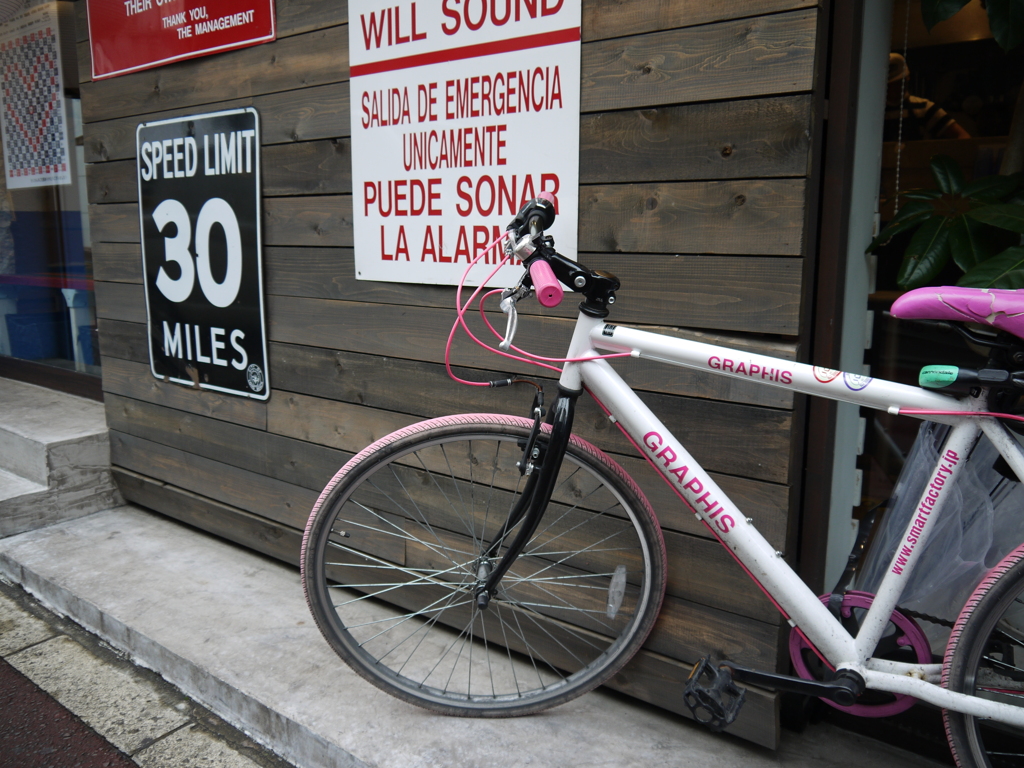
(532, 356)
(915, 412)
(460, 320)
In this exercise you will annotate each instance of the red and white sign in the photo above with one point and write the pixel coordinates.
(129, 35)
(462, 110)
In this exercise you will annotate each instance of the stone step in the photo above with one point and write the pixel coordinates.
(13, 486)
(54, 457)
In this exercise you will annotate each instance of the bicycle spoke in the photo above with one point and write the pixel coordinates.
(339, 545)
(402, 533)
(417, 522)
(445, 495)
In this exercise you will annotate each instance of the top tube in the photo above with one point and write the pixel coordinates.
(777, 372)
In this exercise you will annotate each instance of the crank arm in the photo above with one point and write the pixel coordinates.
(843, 690)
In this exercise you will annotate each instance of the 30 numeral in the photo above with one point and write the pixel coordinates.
(215, 211)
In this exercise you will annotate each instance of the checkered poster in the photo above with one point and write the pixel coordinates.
(32, 113)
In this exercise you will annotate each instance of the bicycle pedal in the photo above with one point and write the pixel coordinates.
(712, 696)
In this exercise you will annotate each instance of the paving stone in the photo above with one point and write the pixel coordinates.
(18, 628)
(191, 747)
(124, 708)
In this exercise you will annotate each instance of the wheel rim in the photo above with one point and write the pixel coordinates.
(995, 671)
(404, 558)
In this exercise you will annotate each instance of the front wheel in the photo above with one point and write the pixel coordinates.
(396, 548)
(985, 657)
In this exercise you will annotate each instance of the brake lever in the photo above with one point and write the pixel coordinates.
(508, 306)
(509, 297)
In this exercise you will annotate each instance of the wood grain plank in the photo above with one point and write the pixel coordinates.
(123, 340)
(730, 60)
(81, 23)
(315, 221)
(321, 220)
(306, 168)
(615, 18)
(356, 378)
(688, 631)
(116, 182)
(84, 58)
(291, 461)
(313, 58)
(252, 531)
(758, 138)
(117, 262)
(127, 340)
(135, 380)
(121, 301)
(264, 496)
(297, 16)
(118, 223)
(753, 294)
(658, 680)
(420, 333)
(303, 114)
(737, 439)
(755, 217)
(643, 374)
(424, 390)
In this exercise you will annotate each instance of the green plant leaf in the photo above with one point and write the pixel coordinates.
(1003, 215)
(968, 242)
(911, 210)
(947, 173)
(991, 188)
(921, 194)
(1003, 271)
(896, 226)
(926, 254)
(934, 11)
(1006, 19)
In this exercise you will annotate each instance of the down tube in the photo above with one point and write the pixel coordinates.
(725, 520)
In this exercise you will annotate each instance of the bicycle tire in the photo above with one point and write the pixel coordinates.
(985, 656)
(395, 539)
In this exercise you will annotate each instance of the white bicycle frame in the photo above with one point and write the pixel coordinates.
(798, 604)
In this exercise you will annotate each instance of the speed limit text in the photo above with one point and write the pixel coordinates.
(216, 153)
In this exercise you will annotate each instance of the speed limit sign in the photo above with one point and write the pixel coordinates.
(199, 212)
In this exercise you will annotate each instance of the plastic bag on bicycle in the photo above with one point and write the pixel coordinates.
(980, 526)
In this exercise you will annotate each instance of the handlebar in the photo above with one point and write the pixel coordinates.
(549, 290)
(533, 218)
(548, 270)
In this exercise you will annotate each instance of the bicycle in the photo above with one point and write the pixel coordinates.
(494, 565)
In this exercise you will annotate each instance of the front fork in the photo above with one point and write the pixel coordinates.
(530, 507)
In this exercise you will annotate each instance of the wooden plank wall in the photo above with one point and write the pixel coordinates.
(694, 165)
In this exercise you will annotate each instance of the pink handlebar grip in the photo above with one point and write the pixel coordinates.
(545, 195)
(549, 290)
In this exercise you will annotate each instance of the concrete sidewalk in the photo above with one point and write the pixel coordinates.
(66, 698)
(230, 628)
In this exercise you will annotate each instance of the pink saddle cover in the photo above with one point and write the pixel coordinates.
(1001, 309)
